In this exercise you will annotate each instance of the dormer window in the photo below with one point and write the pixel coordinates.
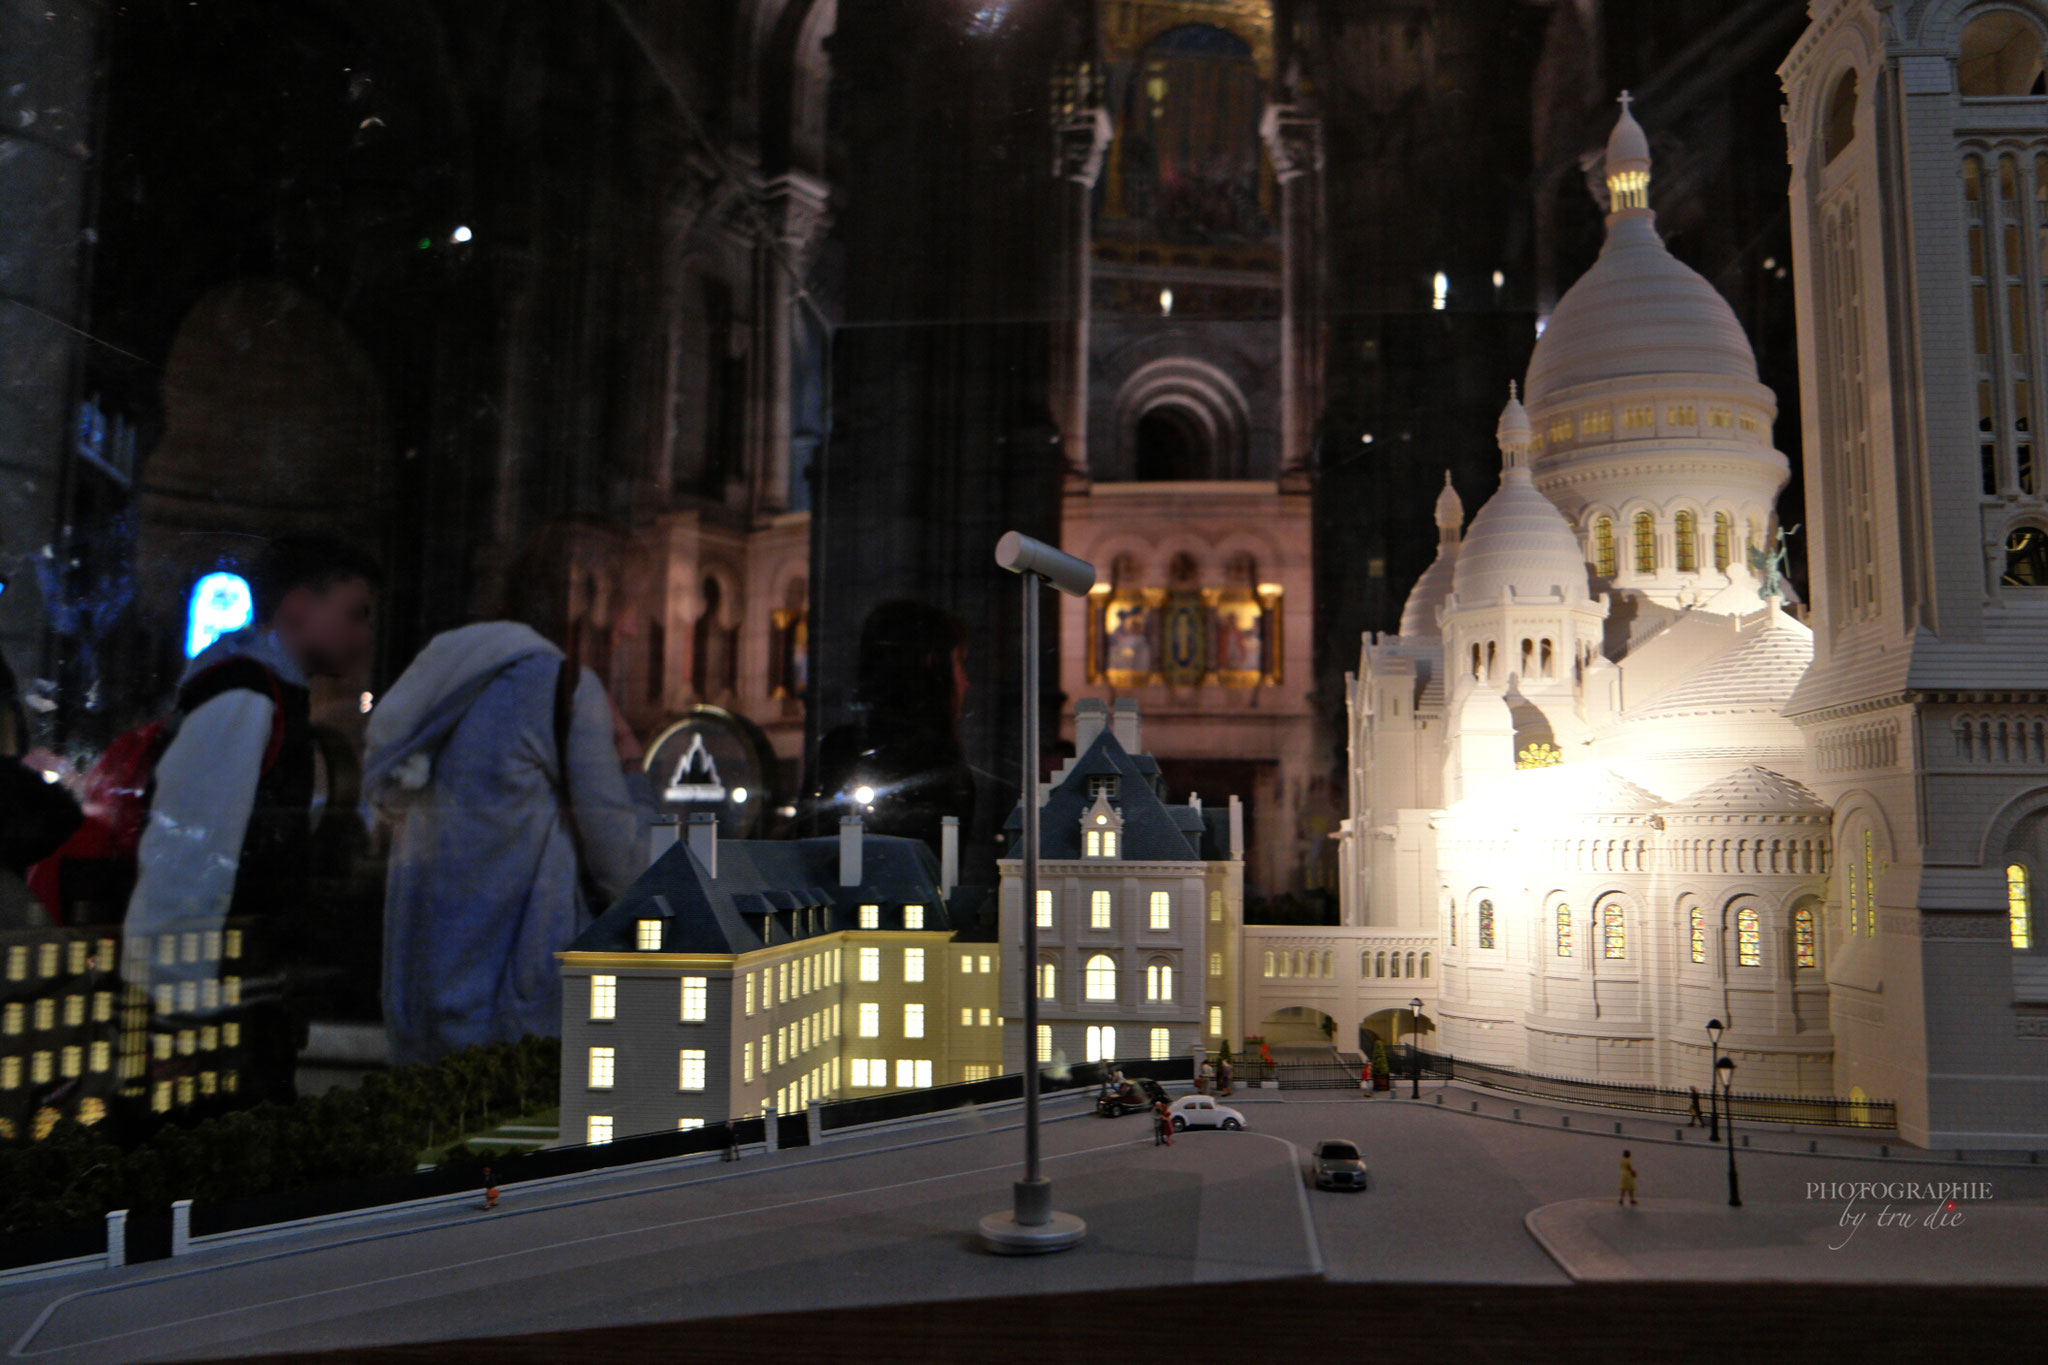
(871, 917)
(1101, 787)
(913, 917)
(648, 936)
(1101, 829)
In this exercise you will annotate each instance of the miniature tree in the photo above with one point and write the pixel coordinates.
(1379, 1060)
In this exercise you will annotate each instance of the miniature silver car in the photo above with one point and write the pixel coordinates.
(1339, 1165)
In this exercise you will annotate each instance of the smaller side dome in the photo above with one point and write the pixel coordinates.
(1450, 510)
(1519, 542)
(1418, 613)
(1513, 431)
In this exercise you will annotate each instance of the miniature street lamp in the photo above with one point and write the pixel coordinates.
(1415, 1046)
(1713, 1078)
(1031, 1226)
(1726, 1066)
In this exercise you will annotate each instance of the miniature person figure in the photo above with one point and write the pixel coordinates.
(732, 1141)
(490, 1189)
(1223, 1074)
(1628, 1181)
(1697, 1120)
(1162, 1125)
(1205, 1078)
(1365, 1081)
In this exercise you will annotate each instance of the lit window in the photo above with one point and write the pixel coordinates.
(1045, 1042)
(1099, 910)
(1092, 844)
(102, 1056)
(987, 1016)
(987, 963)
(690, 1069)
(749, 987)
(1267, 963)
(597, 1129)
(102, 1007)
(1100, 978)
(688, 1125)
(974, 1071)
(1724, 541)
(966, 1016)
(17, 962)
(966, 965)
(160, 1097)
(1216, 907)
(1216, 1020)
(1379, 964)
(870, 1020)
(1486, 924)
(1109, 843)
(601, 1068)
(1688, 543)
(46, 1014)
(14, 1016)
(1748, 941)
(1646, 543)
(1425, 964)
(233, 945)
(1613, 931)
(1101, 1043)
(860, 1073)
(77, 950)
(1451, 922)
(913, 1020)
(781, 982)
(604, 997)
(747, 1062)
(913, 917)
(1564, 931)
(868, 964)
(913, 964)
(1805, 949)
(1044, 908)
(71, 1061)
(1870, 882)
(188, 995)
(1162, 911)
(782, 1044)
(1699, 934)
(871, 917)
(1048, 980)
(1215, 964)
(2018, 907)
(1162, 1044)
(649, 936)
(1604, 563)
(696, 999)
(1159, 981)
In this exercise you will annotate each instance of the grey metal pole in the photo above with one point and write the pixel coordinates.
(1029, 769)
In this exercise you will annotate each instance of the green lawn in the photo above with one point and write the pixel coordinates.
(537, 1129)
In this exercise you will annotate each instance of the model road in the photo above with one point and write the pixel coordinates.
(891, 1218)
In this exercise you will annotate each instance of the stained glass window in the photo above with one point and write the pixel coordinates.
(1603, 547)
(1749, 948)
(1564, 931)
(1486, 924)
(1805, 950)
(1454, 923)
(1724, 541)
(1699, 934)
(1869, 884)
(1646, 543)
(1688, 543)
(2018, 906)
(1613, 931)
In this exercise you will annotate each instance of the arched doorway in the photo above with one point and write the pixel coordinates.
(1299, 1028)
(1172, 443)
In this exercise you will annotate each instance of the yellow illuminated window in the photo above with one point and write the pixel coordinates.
(1805, 948)
(1613, 931)
(1048, 980)
(913, 1021)
(867, 964)
(913, 917)
(1699, 934)
(1564, 931)
(1099, 978)
(601, 1059)
(690, 1069)
(871, 917)
(1099, 910)
(1604, 563)
(913, 964)
(604, 997)
(1646, 543)
(2019, 906)
(648, 936)
(1749, 949)
(597, 1129)
(1688, 543)
(1161, 910)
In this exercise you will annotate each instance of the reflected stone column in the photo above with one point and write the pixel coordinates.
(797, 218)
(1294, 139)
(1080, 136)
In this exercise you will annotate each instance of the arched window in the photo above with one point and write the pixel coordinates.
(1286, 963)
(1688, 543)
(1394, 966)
(1425, 966)
(1048, 980)
(1841, 124)
(1486, 924)
(2001, 55)
(1099, 977)
(1724, 541)
(1364, 964)
(1528, 657)
(2026, 558)
(1379, 964)
(1604, 564)
(1699, 934)
(1805, 946)
(1269, 963)
(1451, 919)
(2019, 911)
(1159, 980)
(1564, 930)
(1749, 948)
(1329, 964)
(1411, 966)
(1301, 964)
(1475, 660)
(1549, 654)
(1613, 931)
(1646, 543)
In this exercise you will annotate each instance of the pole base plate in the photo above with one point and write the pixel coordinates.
(1004, 1235)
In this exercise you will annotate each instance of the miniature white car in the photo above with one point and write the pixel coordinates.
(1200, 1111)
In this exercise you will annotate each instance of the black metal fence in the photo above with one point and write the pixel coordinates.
(1827, 1110)
(54, 1244)
(938, 1099)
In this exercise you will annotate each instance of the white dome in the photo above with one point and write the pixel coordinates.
(1418, 613)
(1638, 311)
(1521, 541)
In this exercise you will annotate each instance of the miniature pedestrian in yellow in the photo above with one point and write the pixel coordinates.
(1628, 1181)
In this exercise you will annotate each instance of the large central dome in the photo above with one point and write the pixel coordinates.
(1639, 310)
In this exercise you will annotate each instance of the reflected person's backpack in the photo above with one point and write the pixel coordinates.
(89, 878)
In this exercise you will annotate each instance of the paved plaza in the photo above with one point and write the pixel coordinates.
(888, 1218)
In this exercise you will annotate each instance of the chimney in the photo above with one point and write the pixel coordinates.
(1090, 715)
(1123, 718)
(661, 837)
(949, 854)
(704, 841)
(1236, 829)
(849, 850)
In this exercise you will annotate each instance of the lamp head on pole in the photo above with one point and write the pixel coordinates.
(1714, 1029)
(1415, 1006)
(1726, 1066)
(1019, 553)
